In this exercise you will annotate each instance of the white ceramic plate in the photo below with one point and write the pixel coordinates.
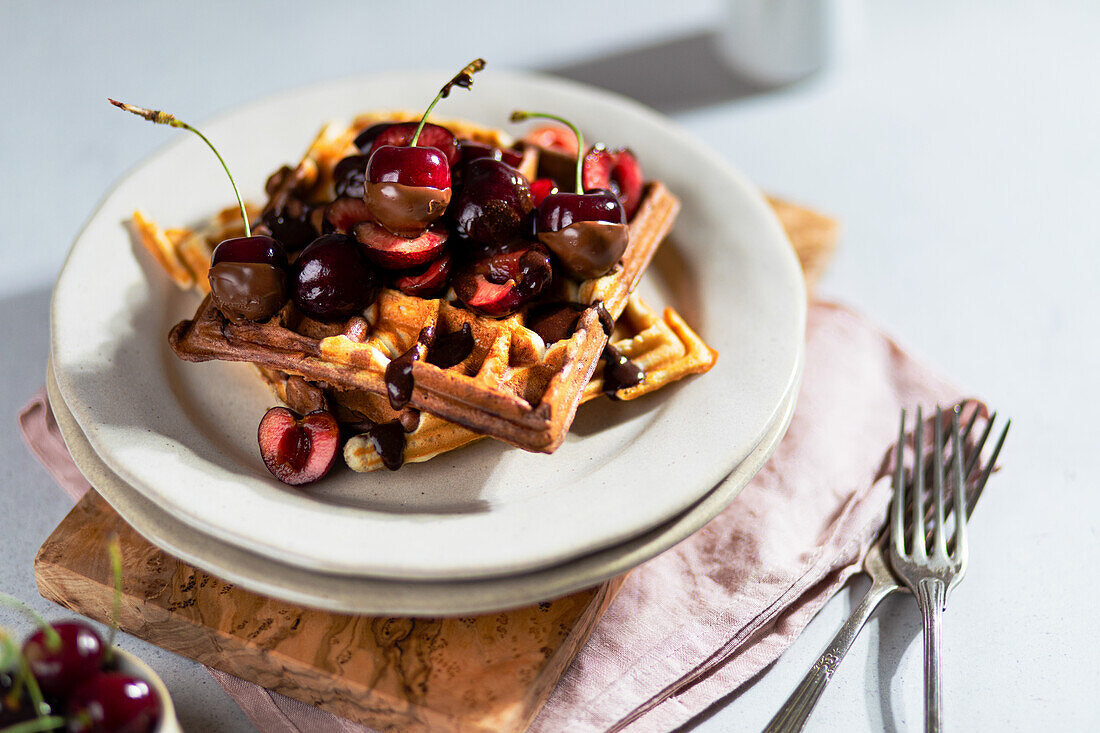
(184, 434)
(379, 596)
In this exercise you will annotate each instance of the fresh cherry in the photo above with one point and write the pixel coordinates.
(113, 702)
(586, 229)
(398, 253)
(248, 280)
(291, 223)
(617, 171)
(61, 669)
(427, 282)
(494, 202)
(365, 139)
(332, 281)
(498, 285)
(408, 187)
(348, 176)
(298, 450)
(400, 134)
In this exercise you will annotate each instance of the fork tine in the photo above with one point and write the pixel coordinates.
(939, 532)
(898, 530)
(980, 486)
(977, 454)
(919, 550)
(961, 548)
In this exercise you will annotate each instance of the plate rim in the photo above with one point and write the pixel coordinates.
(754, 199)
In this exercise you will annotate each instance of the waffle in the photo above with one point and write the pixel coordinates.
(512, 386)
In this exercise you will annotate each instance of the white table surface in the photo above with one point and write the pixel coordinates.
(959, 146)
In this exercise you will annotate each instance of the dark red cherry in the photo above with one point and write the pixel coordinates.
(500, 284)
(332, 280)
(494, 202)
(298, 450)
(419, 166)
(426, 282)
(407, 189)
(60, 670)
(256, 249)
(587, 231)
(113, 702)
(617, 171)
(400, 134)
(348, 176)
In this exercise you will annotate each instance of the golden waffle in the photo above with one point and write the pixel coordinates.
(512, 386)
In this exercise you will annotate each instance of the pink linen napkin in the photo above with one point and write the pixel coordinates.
(695, 623)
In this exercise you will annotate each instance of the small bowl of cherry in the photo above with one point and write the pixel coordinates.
(66, 678)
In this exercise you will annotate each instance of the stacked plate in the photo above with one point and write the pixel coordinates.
(172, 445)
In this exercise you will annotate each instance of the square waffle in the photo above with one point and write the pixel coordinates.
(512, 386)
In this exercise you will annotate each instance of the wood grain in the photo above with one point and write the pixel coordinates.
(482, 673)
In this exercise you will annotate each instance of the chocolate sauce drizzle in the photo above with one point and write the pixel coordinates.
(618, 372)
(451, 348)
(399, 372)
(388, 439)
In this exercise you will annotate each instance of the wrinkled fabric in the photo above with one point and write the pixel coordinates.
(690, 626)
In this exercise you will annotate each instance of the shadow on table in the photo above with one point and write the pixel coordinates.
(675, 75)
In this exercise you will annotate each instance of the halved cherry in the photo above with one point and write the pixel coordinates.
(298, 450)
(400, 134)
(554, 137)
(617, 171)
(344, 213)
(398, 253)
(498, 285)
(427, 282)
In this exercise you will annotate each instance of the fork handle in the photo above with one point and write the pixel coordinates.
(931, 597)
(796, 711)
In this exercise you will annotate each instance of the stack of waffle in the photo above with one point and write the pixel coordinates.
(511, 386)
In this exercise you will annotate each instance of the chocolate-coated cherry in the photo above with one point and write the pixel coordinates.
(113, 702)
(585, 229)
(298, 450)
(408, 187)
(75, 655)
(498, 285)
(617, 171)
(247, 274)
(332, 280)
(398, 253)
(494, 202)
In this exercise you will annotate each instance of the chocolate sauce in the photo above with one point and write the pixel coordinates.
(554, 321)
(399, 372)
(606, 320)
(246, 291)
(409, 419)
(451, 348)
(588, 249)
(388, 439)
(618, 372)
(406, 210)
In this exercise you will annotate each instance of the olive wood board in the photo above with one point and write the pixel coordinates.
(482, 673)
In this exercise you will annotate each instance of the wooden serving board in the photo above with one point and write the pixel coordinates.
(479, 673)
(483, 673)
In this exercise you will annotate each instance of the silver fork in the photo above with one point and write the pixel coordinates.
(930, 573)
(796, 711)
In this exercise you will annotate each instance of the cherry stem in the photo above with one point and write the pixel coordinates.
(114, 550)
(49, 722)
(163, 118)
(520, 116)
(462, 79)
(53, 639)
